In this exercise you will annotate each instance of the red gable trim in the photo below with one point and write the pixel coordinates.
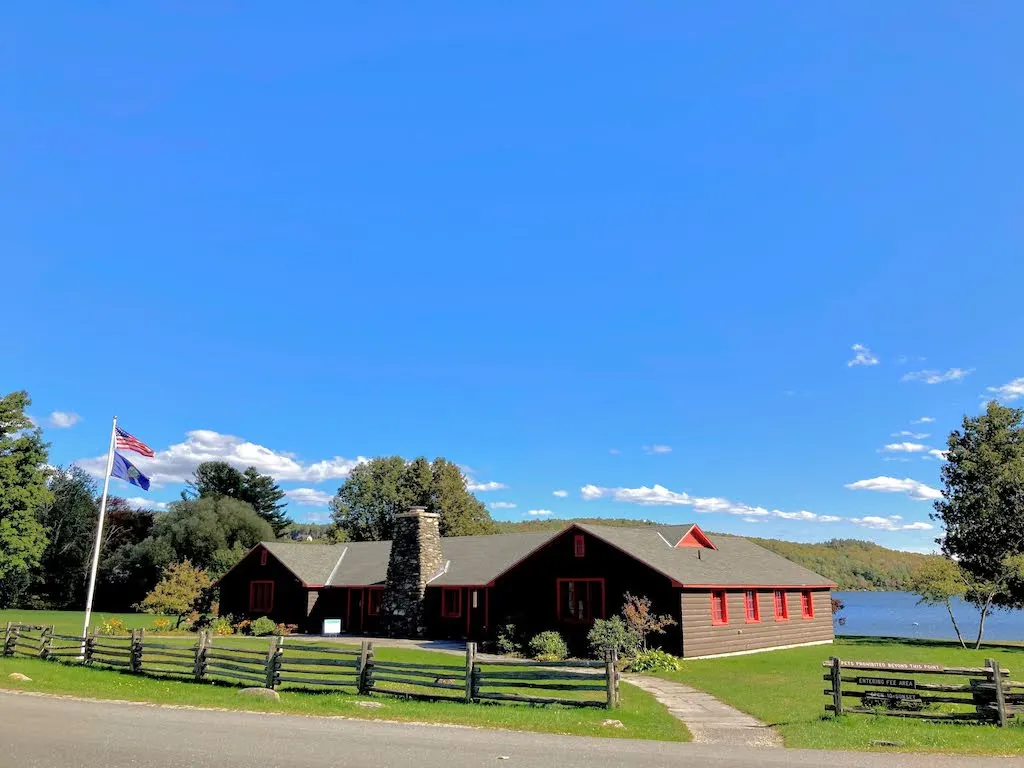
(695, 537)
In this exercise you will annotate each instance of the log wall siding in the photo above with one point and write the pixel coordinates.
(701, 638)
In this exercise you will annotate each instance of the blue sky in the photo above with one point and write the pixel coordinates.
(540, 242)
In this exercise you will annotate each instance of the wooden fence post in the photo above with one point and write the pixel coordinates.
(366, 668)
(997, 681)
(199, 666)
(837, 683)
(470, 661)
(133, 652)
(90, 646)
(273, 666)
(610, 674)
(7, 650)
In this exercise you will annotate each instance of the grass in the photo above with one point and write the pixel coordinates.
(70, 622)
(784, 689)
(640, 713)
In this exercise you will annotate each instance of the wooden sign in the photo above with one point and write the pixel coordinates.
(892, 699)
(893, 665)
(889, 682)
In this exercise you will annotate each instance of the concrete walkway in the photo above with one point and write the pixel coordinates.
(709, 720)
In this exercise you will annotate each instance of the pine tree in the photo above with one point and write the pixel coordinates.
(23, 494)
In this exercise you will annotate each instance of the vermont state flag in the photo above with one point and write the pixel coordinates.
(127, 471)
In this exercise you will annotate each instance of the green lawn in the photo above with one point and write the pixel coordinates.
(784, 689)
(70, 622)
(642, 716)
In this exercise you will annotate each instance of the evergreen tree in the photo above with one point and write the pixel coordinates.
(365, 506)
(23, 493)
(70, 522)
(982, 509)
(215, 479)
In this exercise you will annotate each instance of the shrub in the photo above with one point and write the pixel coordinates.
(612, 633)
(549, 646)
(263, 626)
(284, 629)
(508, 643)
(244, 627)
(655, 660)
(639, 616)
(160, 625)
(222, 626)
(113, 627)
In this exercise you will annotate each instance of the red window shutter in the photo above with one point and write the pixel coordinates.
(580, 545)
(781, 608)
(263, 557)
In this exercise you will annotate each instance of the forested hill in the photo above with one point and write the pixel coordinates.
(850, 563)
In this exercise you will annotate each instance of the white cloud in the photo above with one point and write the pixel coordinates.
(560, 493)
(908, 433)
(176, 463)
(539, 512)
(1008, 392)
(935, 453)
(64, 419)
(751, 520)
(937, 377)
(926, 550)
(912, 488)
(889, 524)
(502, 505)
(140, 501)
(905, 448)
(489, 486)
(895, 458)
(660, 496)
(828, 519)
(308, 497)
(924, 420)
(862, 356)
(651, 450)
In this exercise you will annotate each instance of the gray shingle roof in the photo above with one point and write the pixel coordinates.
(478, 560)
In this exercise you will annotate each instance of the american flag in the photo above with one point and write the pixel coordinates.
(128, 442)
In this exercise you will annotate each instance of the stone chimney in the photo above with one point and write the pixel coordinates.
(416, 557)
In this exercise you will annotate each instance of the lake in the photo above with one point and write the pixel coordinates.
(897, 614)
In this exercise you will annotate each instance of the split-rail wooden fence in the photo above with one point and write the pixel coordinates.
(304, 664)
(922, 691)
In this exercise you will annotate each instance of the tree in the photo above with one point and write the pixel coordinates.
(365, 506)
(216, 479)
(937, 582)
(641, 620)
(178, 592)
(23, 492)
(70, 522)
(982, 505)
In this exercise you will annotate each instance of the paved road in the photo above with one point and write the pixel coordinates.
(47, 732)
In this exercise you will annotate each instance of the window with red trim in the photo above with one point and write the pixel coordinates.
(261, 597)
(374, 598)
(719, 608)
(781, 606)
(751, 607)
(451, 602)
(580, 545)
(807, 604)
(580, 600)
(263, 557)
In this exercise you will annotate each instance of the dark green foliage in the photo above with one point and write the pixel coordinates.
(612, 633)
(508, 641)
(365, 506)
(655, 660)
(23, 492)
(548, 646)
(70, 521)
(216, 479)
(982, 509)
(262, 626)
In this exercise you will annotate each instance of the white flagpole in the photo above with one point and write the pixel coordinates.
(99, 532)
